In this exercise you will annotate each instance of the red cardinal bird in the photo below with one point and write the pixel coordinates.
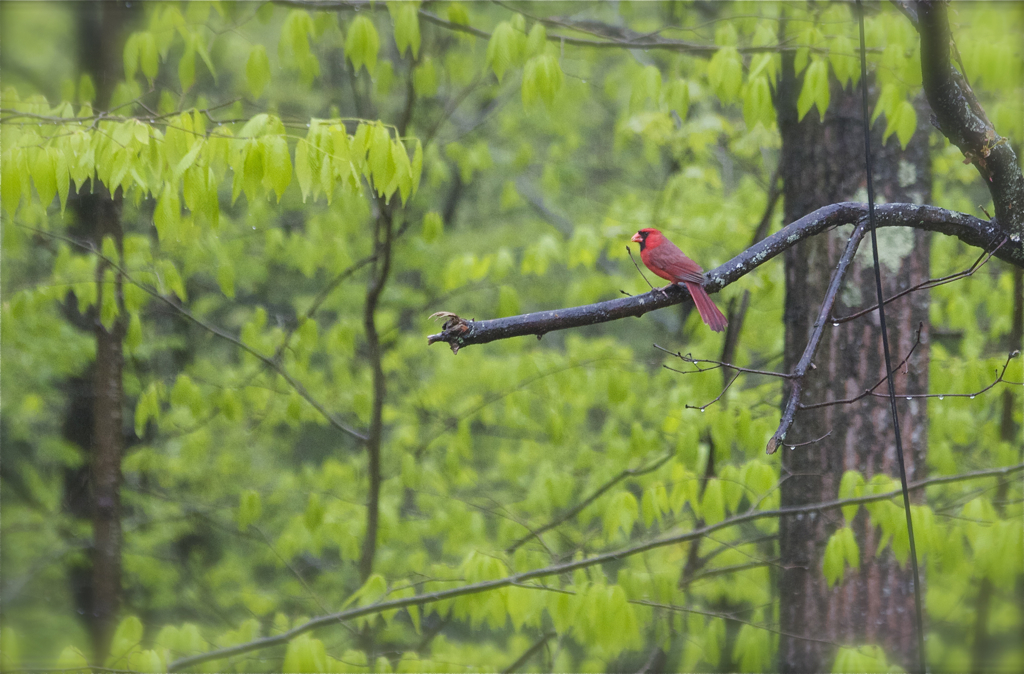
(666, 260)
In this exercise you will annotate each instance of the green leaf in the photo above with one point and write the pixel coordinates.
(362, 44)
(503, 49)
(187, 68)
(725, 74)
(61, 176)
(167, 214)
(903, 121)
(327, 177)
(457, 13)
(277, 164)
(257, 70)
(832, 560)
(149, 57)
(433, 226)
(127, 637)
(250, 507)
(305, 654)
(44, 175)
(70, 660)
(888, 101)
(621, 512)
(844, 64)
(536, 41)
(226, 278)
(726, 35)
(757, 103)
(405, 16)
(424, 79)
(314, 516)
(815, 91)
(713, 503)
(372, 591)
(759, 478)
(851, 486)
(131, 56)
(714, 636)
(303, 170)
(851, 551)
(646, 86)
(133, 338)
(508, 301)
(189, 159)
(185, 393)
(86, 89)
(542, 78)
(677, 97)
(12, 168)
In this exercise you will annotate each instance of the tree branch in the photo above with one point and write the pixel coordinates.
(812, 343)
(960, 117)
(382, 239)
(568, 567)
(459, 332)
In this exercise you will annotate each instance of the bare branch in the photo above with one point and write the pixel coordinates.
(960, 117)
(812, 344)
(718, 364)
(709, 404)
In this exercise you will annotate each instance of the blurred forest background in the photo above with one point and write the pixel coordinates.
(225, 228)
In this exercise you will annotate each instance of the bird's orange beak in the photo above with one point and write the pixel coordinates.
(637, 238)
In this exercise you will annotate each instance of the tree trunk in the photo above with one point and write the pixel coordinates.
(108, 439)
(100, 39)
(822, 163)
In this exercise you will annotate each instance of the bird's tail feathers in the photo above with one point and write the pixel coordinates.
(709, 313)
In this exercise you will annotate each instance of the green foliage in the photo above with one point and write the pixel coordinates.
(362, 44)
(244, 504)
(815, 90)
(841, 549)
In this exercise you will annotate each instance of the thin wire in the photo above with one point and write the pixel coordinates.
(885, 344)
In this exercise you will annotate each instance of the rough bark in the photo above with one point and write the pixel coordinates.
(108, 439)
(822, 163)
(960, 117)
(101, 26)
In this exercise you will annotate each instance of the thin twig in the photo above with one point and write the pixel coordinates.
(706, 405)
(718, 364)
(630, 251)
(810, 442)
(930, 283)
